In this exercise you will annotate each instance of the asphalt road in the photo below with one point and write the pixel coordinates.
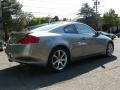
(98, 73)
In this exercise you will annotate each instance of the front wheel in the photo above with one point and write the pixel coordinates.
(58, 59)
(110, 49)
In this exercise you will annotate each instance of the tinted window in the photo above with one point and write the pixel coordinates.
(85, 29)
(70, 29)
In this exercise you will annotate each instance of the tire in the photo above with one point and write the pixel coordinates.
(58, 59)
(109, 49)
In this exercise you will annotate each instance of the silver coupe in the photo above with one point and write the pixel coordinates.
(55, 45)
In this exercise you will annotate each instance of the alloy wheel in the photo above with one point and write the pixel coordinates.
(59, 60)
(110, 49)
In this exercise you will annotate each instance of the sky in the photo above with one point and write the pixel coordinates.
(65, 8)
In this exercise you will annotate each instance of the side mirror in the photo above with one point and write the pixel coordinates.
(97, 34)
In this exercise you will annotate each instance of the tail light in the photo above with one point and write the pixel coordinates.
(28, 39)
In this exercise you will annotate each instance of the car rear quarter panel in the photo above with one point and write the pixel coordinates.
(52, 41)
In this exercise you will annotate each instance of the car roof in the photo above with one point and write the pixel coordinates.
(65, 23)
(52, 26)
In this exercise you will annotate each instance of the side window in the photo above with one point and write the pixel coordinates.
(84, 29)
(70, 29)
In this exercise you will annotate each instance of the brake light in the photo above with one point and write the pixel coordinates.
(28, 39)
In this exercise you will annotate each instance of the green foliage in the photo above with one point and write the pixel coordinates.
(16, 20)
(64, 19)
(56, 18)
(9, 8)
(86, 11)
(21, 21)
(111, 18)
(36, 21)
(1, 35)
(88, 15)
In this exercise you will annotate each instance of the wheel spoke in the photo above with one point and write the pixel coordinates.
(63, 64)
(59, 52)
(63, 60)
(58, 66)
(55, 62)
(63, 54)
(55, 56)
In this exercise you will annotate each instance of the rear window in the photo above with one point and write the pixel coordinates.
(45, 28)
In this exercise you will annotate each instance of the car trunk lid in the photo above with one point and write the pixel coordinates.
(16, 36)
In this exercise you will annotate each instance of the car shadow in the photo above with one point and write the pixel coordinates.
(23, 77)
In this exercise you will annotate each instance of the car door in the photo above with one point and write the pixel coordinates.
(72, 36)
(92, 44)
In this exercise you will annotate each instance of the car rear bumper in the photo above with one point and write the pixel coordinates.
(29, 54)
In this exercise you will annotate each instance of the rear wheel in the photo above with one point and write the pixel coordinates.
(58, 59)
(110, 49)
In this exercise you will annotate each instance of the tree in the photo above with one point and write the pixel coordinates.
(56, 18)
(64, 19)
(111, 19)
(9, 8)
(21, 21)
(87, 15)
(37, 20)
